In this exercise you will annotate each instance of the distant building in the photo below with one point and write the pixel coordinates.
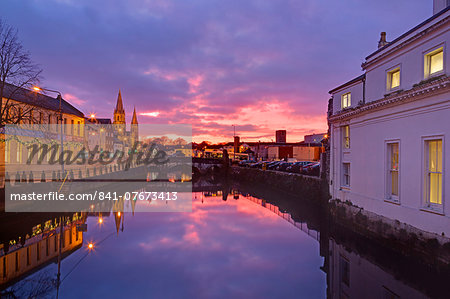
(99, 132)
(280, 136)
(297, 151)
(315, 138)
(236, 144)
(128, 137)
(389, 128)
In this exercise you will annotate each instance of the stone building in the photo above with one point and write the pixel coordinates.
(128, 137)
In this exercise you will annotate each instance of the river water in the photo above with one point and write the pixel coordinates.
(241, 244)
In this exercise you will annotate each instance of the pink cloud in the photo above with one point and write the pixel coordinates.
(151, 114)
(74, 99)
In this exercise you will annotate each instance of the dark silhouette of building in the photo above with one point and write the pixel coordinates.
(280, 136)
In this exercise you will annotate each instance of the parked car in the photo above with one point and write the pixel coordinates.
(297, 167)
(257, 164)
(273, 165)
(282, 166)
(245, 163)
(312, 169)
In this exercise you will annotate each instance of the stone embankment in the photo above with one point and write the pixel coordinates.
(308, 187)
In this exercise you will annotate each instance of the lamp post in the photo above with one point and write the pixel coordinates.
(59, 97)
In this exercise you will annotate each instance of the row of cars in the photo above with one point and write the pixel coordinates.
(303, 167)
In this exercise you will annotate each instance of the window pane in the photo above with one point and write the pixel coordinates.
(394, 156)
(435, 188)
(394, 180)
(346, 136)
(437, 62)
(346, 174)
(439, 155)
(432, 155)
(346, 100)
(345, 271)
(395, 79)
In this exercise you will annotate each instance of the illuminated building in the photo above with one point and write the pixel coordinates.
(389, 128)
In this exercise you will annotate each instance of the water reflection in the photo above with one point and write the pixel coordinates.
(237, 242)
(31, 242)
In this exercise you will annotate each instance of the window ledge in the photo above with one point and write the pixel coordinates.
(393, 91)
(431, 78)
(392, 201)
(345, 188)
(433, 211)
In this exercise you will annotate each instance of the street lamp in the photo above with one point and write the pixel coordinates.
(59, 97)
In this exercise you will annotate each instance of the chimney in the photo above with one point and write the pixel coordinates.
(439, 5)
(382, 41)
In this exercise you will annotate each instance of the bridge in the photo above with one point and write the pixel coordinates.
(204, 166)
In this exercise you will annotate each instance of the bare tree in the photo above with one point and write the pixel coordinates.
(40, 285)
(17, 74)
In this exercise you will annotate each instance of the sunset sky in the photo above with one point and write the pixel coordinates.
(261, 65)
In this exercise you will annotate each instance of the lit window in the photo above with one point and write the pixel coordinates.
(19, 152)
(393, 171)
(434, 62)
(433, 179)
(346, 174)
(346, 100)
(393, 79)
(346, 137)
(7, 151)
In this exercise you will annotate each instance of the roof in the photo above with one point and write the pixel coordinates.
(104, 121)
(354, 80)
(39, 100)
(410, 31)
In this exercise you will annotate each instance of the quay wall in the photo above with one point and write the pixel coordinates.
(308, 187)
(396, 235)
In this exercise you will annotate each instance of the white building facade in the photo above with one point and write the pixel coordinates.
(390, 129)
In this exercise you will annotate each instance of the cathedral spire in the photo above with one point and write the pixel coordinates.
(119, 105)
(134, 120)
(119, 112)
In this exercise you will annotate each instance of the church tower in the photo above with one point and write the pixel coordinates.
(119, 115)
(134, 128)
